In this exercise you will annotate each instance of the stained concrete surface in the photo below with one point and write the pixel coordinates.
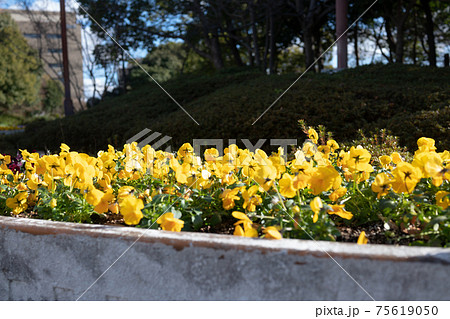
(42, 260)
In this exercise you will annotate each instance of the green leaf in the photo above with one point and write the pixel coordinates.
(158, 198)
(176, 213)
(436, 221)
(197, 221)
(387, 204)
(215, 219)
(208, 199)
(289, 203)
(10, 178)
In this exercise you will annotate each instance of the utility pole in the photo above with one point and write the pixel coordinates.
(68, 105)
(341, 26)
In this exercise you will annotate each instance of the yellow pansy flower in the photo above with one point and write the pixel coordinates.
(4, 160)
(106, 200)
(323, 178)
(228, 197)
(265, 176)
(437, 170)
(211, 154)
(313, 136)
(34, 181)
(425, 144)
(168, 222)
(272, 233)
(385, 161)
(125, 191)
(248, 230)
(130, 208)
(396, 158)
(18, 203)
(338, 193)
(359, 160)
(287, 186)
(382, 184)
(54, 165)
(340, 211)
(64, 148)
(443, 199)
(406, 177)
(185, 150)
(333, 145)
(251, 199)
(94, 196)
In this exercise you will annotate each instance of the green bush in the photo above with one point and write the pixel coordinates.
(408, 101)
(19, 68)
(53, 96)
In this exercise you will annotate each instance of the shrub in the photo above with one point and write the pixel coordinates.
(255, 195)
(408, 101)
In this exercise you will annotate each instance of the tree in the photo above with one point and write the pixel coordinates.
(222, 32)
(162, 63)
(255, 32)
(429, 31)
(53, 96)
(44, 22)
(19, 68)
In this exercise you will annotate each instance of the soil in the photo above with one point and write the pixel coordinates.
(375, 232)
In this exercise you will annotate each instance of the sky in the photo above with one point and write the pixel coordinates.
(71, 5)
(47, 5)
(366, 53)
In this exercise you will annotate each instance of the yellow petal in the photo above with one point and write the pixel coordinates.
(272, 233)
(316, 204)
(315, 218)
(240, 215)
(238, 231)
(362, 239)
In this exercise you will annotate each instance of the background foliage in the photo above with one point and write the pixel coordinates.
(19, 68)
(409, 101)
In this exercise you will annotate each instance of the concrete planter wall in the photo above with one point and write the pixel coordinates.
(43, 260)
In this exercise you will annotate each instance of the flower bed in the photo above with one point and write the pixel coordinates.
(12, 129)
(46, 260)
(313, 196)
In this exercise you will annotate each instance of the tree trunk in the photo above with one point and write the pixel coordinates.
(318, 48)
(308, 47)
(254, 35)
(216, 53)
(272, 48)
(308, 27)
(399, 50)
(356, 44)
(211, 36)
(400, 20)
(266, 44)
(429, 27)
(251, 59)
(414, 48)
(124, 73)
(390, 40)
(232, 44)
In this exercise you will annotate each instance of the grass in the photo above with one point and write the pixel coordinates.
(10, 120)
(408, 101)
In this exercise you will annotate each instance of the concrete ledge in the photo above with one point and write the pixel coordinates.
(44, 260)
